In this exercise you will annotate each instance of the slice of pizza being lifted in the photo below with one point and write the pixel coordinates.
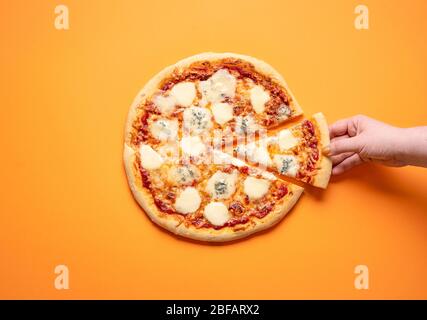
(295, 152)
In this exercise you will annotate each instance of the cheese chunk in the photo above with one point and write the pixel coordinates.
(245, 125)
(284, 112)
(197, 120)
(166, 105)
(259, 97)
(222, 185)
(193, 146)
(217, 213)
(255, 154)
(255, 188)
(286, 164)
(287, 140)
(261, 156)
(188, 201)
(183, 175)
(150, 159)
(164, 129)
(184, 93)
(222, 112)
(218, 87)
(169, 151)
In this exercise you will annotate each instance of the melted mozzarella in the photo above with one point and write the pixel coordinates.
(222, 185)
(169, 151)
(184, 93)
(222, 112)
(287, 140)
(218, 87)
(150, 159)
(164, 129)
(166, 105)
(216, 213)
(245, 125)
(193, 146)
(255, 154)
(188, 201)
(256, 188)
(197, 120)
(259, 97)
(286, 164)
(183, 175)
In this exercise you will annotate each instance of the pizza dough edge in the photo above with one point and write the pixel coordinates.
(323, 175)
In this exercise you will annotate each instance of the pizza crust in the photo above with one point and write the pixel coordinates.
(321, 179)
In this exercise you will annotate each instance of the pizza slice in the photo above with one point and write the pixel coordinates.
(221, 200)
(295, 152)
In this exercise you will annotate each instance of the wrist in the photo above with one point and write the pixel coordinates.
(411, 148)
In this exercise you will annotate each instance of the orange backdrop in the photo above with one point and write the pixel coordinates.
(64, 196)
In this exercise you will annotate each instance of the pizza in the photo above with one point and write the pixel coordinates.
(295, 152)
(175, 158)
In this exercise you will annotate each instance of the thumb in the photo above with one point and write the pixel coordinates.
(352, 144)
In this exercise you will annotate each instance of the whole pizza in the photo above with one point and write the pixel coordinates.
(207, 152)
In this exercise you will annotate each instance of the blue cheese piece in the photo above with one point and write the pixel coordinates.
(245, 125)
(183, 174)
(164, 129)
(218, 87)
(197, 120)
(286, 164)
(222, 185)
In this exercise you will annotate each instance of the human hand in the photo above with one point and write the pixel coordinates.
(362, 139)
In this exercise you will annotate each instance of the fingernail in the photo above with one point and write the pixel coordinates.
(326, 151)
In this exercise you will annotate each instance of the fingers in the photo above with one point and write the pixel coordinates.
(339, 128)
(347, 164)
(337, 159)
(338, 146)
(326, 150)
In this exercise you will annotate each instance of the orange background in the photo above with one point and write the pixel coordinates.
(64, 196)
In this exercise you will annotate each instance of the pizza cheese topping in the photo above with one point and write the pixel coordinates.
(226, 88)
(296, 151)
(259, 97)
(216, 213)
(188, 201)
(150, 159)
(286, 164)
(243, 191)
(220, 86)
